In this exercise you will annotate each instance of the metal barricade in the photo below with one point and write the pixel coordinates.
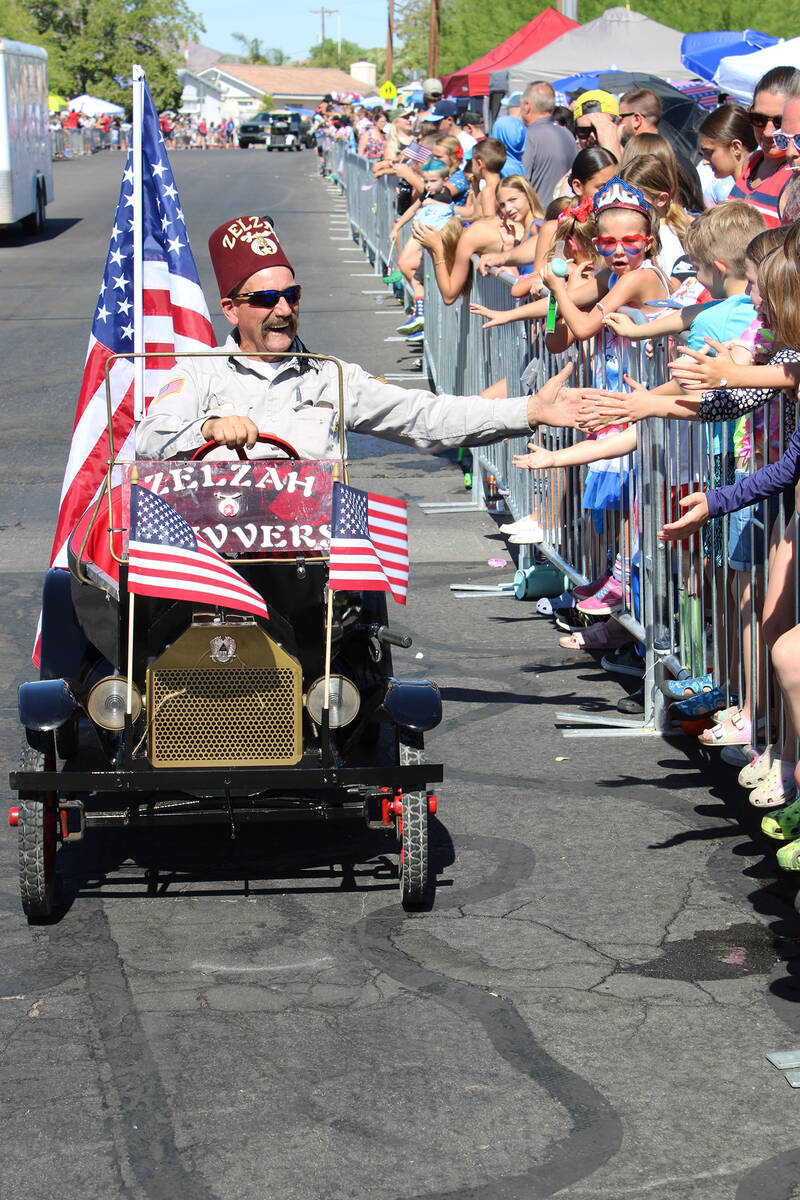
(692, 606)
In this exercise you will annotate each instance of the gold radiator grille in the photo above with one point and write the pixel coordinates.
(206, 709)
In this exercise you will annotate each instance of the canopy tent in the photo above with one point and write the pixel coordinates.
(541, 31)
(55, 103)
(739, 74)
(91, 106)
(620, 38)
(701, 52)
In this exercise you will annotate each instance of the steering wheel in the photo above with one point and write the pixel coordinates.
(271, 438)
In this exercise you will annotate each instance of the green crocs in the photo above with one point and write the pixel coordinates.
(789, 856)
(784, 824)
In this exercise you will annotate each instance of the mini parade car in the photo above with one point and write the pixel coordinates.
(193, 713)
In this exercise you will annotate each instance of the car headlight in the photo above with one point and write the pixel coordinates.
(107, 702)
(343, 703)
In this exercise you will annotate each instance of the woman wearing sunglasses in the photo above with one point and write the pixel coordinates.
(766, 175)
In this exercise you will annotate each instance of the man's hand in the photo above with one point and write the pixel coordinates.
(607, 132)
(694, 518)
(555, 404)
(230, 431)
(697, 370)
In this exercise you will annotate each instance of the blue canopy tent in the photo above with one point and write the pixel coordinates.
(702, 52)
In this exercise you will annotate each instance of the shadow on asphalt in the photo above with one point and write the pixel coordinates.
(13, 235)
(264, 859)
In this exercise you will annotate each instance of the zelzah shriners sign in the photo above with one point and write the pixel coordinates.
(252, 508)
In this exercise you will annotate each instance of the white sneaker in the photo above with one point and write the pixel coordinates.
(531, 535)
(519, 526)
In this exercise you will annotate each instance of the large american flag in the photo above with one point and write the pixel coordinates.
(369, 543)
(175, 318)
(166, 558)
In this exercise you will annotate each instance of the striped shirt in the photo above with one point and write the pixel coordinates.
(765, 196)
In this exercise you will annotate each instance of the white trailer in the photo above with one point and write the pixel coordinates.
(26, 169)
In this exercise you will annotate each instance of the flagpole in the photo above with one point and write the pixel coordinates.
(131, 597)
(138, 237)
(326, 713)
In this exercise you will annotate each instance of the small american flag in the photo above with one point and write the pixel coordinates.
(417, 154)
(369, 543)
(165, 558)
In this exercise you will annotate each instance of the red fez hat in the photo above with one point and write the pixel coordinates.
(241, 247)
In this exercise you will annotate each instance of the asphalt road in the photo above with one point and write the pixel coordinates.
(586, 1007)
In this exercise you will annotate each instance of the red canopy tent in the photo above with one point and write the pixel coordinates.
(474, 79)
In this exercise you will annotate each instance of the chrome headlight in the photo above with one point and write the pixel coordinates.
(344, 701)
(108, 699)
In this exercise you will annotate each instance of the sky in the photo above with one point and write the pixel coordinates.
(283, 27)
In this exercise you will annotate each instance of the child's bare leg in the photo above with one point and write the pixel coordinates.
(786, 661)
(778, 613)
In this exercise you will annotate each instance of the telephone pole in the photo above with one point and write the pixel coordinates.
(389, 38)
(322, 12)
(433, 39)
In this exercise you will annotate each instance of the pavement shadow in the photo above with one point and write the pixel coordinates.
(263, 859)
(14, 235)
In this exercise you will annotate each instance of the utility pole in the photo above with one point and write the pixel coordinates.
(433, 39)
(389, 38)
(322, 12)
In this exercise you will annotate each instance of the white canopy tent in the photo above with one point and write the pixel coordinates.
(739, 74)
(619, 40)
(91, 106)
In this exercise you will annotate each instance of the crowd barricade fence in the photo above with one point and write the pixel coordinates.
(694, 606)
(71, 143)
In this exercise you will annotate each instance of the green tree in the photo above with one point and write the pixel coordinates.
(255, 52)
(411, 27)
(780, 18)
(93, 43)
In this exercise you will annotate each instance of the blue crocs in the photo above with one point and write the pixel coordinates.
(681, 689)
(703, 705)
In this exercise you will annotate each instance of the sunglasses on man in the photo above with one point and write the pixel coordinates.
(761, 120)
(270, 297)
(583, 132)
(782, 140)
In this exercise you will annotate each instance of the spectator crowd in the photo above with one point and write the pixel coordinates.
(613, 233)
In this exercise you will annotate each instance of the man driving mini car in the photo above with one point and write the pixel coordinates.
(230, 400)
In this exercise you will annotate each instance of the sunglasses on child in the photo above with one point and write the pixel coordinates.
(271, 296)
(632, 244)
(761, 120)
(782, 140)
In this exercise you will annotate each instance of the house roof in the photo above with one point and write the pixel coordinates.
(291, 81)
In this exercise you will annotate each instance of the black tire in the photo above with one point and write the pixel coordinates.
(244, 145)
(38, 840)
(414, 849)
(34, 222)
